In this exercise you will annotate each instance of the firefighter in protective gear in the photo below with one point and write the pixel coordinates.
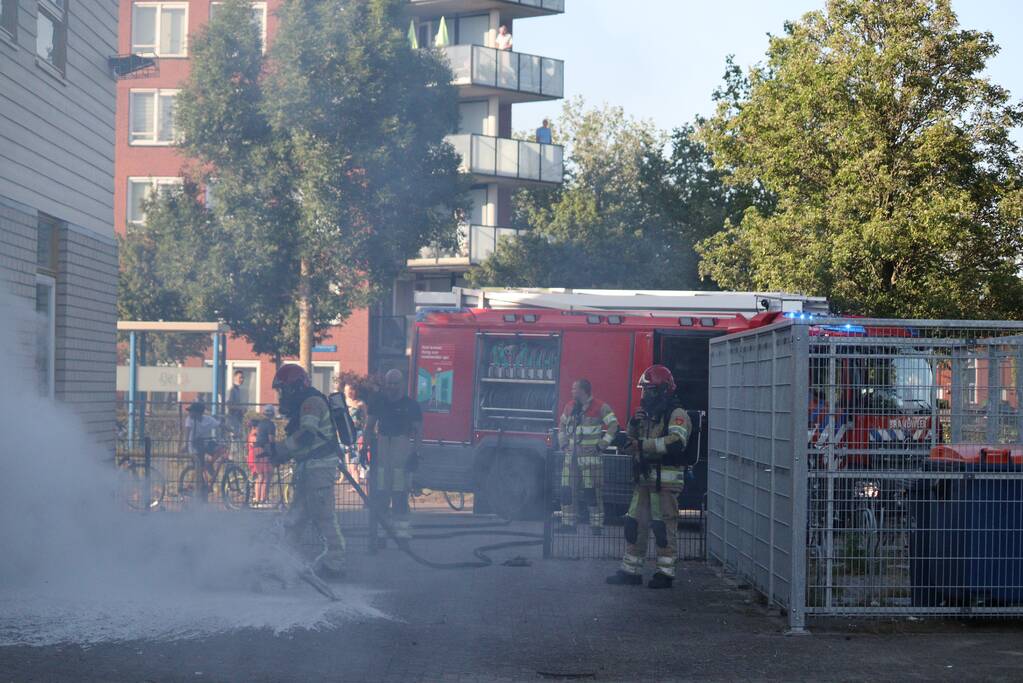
(657, 437)
(394, 429)
(311, 442)
(587, 427)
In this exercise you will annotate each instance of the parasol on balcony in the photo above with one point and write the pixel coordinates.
(442, 35)
(413, 41)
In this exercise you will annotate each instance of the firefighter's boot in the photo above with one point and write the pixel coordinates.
(624, 578)
(660, 580)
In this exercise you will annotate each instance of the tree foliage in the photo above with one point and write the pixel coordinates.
(895, 184)
(326, 163)
(628, 214)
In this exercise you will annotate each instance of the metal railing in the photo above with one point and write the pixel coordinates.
(509, 158)
(475, 244)
(505, 69)
(589, 540)
(870, 467)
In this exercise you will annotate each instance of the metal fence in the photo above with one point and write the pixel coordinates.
(870, 467)
(606, 540)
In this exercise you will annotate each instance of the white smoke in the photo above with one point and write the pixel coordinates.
(76, 566)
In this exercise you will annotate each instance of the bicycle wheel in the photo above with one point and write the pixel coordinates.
(451, 504)
(187, 483)
(234, 487)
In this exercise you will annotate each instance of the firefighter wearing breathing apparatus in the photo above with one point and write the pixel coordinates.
(312, 443)
(656, 440)
(587, 427)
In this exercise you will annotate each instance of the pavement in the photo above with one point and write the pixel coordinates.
(550, 620)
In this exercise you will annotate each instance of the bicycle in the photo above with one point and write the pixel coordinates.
(132, 484)
(219, 470)
(280, 490)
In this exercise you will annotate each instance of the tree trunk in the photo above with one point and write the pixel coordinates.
(305, 320)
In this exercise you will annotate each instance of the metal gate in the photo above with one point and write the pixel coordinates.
(870, 467)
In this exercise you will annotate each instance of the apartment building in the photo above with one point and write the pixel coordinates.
(58, 253)
(489, 82)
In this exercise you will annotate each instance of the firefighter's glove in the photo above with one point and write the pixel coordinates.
(412, 464)
(621, 441)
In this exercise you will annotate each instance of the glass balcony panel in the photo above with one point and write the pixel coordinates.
(507, 157)
(553, 83)
(483, 243)
(529, 73)
(484, 66)
(529, 160)
(507, 69)
(484, 154)
(460, 60)
(554, 5)
(531, 3)
(551, 164)
(463, 146)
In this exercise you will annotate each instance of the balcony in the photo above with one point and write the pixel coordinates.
(510, 9)
(475, 244)
(504, 159)
(479, 70)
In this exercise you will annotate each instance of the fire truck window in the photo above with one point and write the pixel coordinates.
(518, 381)
(687, 358)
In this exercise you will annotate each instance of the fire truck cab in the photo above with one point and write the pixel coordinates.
(493, 378)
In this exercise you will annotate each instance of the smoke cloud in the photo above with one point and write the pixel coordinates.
(77, 567)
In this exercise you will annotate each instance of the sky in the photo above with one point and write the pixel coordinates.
(662, 59)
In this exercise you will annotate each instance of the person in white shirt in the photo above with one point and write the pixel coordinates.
(200, 430)
(504, 38)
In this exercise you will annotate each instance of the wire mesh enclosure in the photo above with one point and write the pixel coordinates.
(906, 494)
(598, 534)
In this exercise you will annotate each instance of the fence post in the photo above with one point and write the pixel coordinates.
(147, 487)
(800, 394)
(548, 474)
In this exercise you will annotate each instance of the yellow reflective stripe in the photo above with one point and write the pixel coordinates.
(589, 459)
(588, 429)
(609, 418)
(678, 429)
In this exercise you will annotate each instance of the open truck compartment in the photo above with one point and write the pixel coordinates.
(517, 382)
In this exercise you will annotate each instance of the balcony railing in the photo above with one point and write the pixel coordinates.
(487, 66)
(508, 158)
(475, 244)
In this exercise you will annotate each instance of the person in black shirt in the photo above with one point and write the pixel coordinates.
(394, 429)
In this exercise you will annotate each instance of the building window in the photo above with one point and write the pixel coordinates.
(325, 374)
(160, 28)
(9, 17)
(46, 333)
(48, 231)
(139, 190)
(51, 33)
(258, 16)
(152, 117)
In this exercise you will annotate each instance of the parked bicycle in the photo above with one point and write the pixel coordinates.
(220, 475)
(133, 484)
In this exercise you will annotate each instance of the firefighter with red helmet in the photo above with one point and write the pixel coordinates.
(656, 439)
(311, 442)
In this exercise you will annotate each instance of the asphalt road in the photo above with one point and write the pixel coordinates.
(552, 620)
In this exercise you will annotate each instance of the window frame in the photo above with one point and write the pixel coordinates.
(154, 140)
(255, 4)
(10, 32)
(51, 282)
(57, 12)
(154, 183)
(160, 5)
(334, 366)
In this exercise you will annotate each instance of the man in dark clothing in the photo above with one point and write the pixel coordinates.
(235, 410)
(394, 429)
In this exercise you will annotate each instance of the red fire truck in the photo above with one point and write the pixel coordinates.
(493, 382)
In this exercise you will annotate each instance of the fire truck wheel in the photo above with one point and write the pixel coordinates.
(513, 485)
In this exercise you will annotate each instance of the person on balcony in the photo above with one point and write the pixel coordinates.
(504, 38)
(543, 133)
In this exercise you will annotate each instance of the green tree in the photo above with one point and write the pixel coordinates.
(895, 184)
(328, 163)
(627, 216)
